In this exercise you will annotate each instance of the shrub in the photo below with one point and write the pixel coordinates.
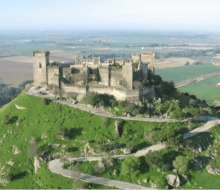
(129, 108)
(145, 82)
(46, 101)
(181, 163)
(167, 87)
(6, 119)
(137, 85)
(166, 167)
(105, 147)
(153, 158)
(9, 176)
(175, 141)
(130, 166)
(130, 145)
(63, 133)
(161, 183)
(135, 65)
(192, 102)
(178, 114)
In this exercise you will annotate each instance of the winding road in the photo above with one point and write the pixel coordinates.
(55, 166)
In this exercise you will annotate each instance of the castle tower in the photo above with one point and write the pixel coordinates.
(127, 73)
(41, 61)
(148, 58)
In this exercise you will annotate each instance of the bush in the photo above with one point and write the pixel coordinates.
(167, 87)
(161, 183)
(105, 147)
(181, 163)
(130, 166)
(63, 133)
(175, 141)
(145, 82)
(192, 102)
(46, 101)
(129, 108)
(137, 85)
(178, 114)
(166, 167)
(130, 145)
(153, 158)
(5, 120)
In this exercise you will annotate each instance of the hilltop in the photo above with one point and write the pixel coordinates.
(63, 131)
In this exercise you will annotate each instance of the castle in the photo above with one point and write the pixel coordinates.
(78, 79)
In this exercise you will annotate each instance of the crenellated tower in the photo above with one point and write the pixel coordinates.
(41, 61)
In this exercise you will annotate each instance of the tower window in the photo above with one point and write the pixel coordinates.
(40, 66)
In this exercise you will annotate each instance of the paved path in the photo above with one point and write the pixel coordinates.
(55, 166)
(32, 91)
(196, 79)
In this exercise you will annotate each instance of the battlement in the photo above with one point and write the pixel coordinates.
(44, 52)
(152, 53)
(83, 73)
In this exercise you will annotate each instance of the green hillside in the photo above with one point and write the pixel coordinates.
(40, 119)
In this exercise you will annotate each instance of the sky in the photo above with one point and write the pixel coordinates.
(145, 15)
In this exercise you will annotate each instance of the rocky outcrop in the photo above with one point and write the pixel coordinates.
(10, 163)
(173, 180)
(117, 128)
(126, 150)
(36, 163)
(185, 177)
(198, 163)
(19, 107)
(15, 150)
(213, 170)
(43, 136)
(17, 123)
(145, 180)
(4, 182)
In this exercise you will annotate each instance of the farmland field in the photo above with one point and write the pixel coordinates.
(183, 73)
(203, 91)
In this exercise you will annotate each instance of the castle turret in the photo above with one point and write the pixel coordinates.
(41, 61)
(148, 58)
(127, 71)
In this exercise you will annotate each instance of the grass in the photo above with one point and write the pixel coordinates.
(37, 119)
(200, 178)
(183, 73)
(203, 91)
(83, 127)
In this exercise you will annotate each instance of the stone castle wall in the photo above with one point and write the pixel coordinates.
(119, 93)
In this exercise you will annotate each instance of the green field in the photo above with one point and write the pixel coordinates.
(203, 91)
(178, 74)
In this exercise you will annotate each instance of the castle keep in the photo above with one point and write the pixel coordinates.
(78, 79)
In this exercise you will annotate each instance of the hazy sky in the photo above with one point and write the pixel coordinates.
(149, 15)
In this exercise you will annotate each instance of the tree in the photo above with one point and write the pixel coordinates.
(6, 120)
(75, 175)
(97, 77)
(192, 102)
(33, 148)
(130, 166)
(130, 145)
(46, 101)
(63, 133)
(181, 163)
(153, 158)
